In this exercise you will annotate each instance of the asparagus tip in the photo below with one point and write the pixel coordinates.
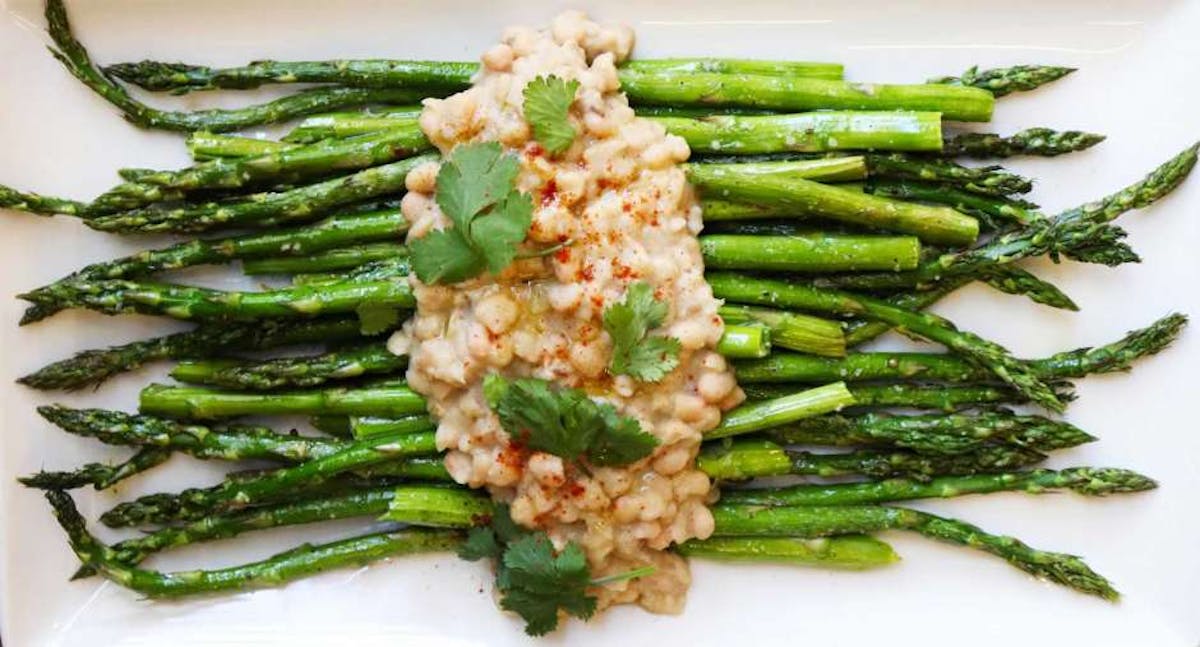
(41, 480)
(1102, 481)
(85, 546)
(83, 572)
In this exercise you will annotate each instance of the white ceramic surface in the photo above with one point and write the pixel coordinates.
(1138, 63)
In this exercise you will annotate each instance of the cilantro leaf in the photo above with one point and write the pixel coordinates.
(623, 440)
(506, 529)
(653, 359)
(560, 422)
(445, 257)
(374, 319)
(533, 579)
(539, 583)
(498, 235)
(475, 189)
(566, 422)
(648, 359)
(548, 100)
(473, 178)
(481, 543)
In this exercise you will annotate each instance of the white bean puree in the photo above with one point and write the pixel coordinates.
(620, 198)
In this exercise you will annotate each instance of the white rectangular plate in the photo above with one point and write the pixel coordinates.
(1136, 83)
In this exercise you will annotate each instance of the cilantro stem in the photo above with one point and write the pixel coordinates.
(621, 577)
(547, 251)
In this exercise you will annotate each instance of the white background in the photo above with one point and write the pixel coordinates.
(1137, 84)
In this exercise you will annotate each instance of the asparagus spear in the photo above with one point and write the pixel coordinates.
(349, 124)
(291, 371)
(800, 521)
(40, 204)
(728, 134)
(93, 367)
(809, 132)
(303, 371)
(739, 341)
(1006, 278)
(306, 371)
(705, 132)
(368, 426)
(1005, 80)
(266, 209)
(861, 331)
(747, 459)
(121, 296)
(75, 58)
(236, 442)
(204, 146)
(390, 399)
(386, 399)
(816, 252)
(302, 242)
(1011, 279)
(99, 475)
(986, 180)
(289, 165)
(269, 487)
(447, 76)
(801, 94)
(940, 397)
(744, 289)
(342, 258)
(746, 84)
(1117, 356)
(683, 66)
(792, 330)
(824, 169)
(298, 562)
(746, 183)
(992, 208)
(1031, 141)
(1089, 481)
(756, 416)
(855, 552)
(933, 434)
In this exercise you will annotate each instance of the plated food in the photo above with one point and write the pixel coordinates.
(568, 354)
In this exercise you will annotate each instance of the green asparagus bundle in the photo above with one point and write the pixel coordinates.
(1117, 356)
(286, 166)
(93, 367)
(75, 58)
(993, 357)
(330, 234)
(266, 209)
(853, 237)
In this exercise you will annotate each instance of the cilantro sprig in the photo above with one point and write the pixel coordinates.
(534, 580)
(566, 422)
(635, 353)
(547, 101)
(475, 189)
